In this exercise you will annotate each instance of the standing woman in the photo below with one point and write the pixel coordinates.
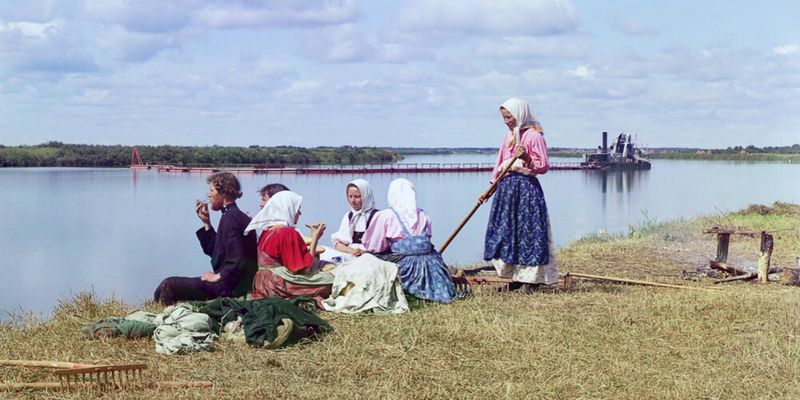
(518, 235)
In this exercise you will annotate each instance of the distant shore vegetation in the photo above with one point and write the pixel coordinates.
(57, 154)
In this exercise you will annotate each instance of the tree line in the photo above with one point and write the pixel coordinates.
(57, 154)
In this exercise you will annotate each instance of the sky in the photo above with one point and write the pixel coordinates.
(415, 73)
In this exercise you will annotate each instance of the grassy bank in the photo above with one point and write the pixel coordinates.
(595, 340)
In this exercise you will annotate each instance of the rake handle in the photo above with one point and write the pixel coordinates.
(57, 385)
(44, 364)
(477, 205)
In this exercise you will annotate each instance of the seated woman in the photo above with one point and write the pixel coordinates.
(362, 282)
(286, 267)
(347, 240)
(404, 231)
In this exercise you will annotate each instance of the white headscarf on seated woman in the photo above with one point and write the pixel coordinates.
(367, 203)
(281, 209)
(403, 199)
(359, 217)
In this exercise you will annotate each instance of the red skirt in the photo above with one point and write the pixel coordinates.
(267, 284)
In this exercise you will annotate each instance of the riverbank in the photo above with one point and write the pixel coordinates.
(56, 154)
(595, 340)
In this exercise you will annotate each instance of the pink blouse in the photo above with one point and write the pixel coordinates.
(534, 144)
(385, 229)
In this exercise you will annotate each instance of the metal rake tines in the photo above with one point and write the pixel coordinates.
(105, 375)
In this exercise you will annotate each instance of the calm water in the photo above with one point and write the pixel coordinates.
(120, 232)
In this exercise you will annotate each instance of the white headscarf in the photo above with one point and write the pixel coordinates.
(403, 199)
(523, 114)
(279, 210)
(367, 203)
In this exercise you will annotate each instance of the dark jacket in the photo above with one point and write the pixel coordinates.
(233, 254)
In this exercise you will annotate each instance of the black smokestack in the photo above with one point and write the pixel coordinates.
(605, 142)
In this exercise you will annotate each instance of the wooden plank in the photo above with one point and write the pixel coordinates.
(718, 230)
(747, 276)
(729, 268)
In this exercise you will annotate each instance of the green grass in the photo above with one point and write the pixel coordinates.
(596, 340)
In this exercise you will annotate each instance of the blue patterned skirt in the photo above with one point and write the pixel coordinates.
(423, 273)
(518, 227)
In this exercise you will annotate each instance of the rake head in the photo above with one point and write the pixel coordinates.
(105, 375)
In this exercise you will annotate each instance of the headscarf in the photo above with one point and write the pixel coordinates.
(367, 203)
(279, 210)
(403, 199)
(524, 116)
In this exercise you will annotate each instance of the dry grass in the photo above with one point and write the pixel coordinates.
(596, 341)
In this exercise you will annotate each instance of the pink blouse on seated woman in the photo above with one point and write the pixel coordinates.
(385, 229)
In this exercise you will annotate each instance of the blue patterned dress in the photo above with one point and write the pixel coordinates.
(518, 227)
(423, 273)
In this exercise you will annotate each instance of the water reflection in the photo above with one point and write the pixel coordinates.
(616, 181)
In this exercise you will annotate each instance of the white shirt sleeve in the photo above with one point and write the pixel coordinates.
(343, 234)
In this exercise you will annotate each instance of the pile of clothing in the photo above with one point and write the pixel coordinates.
(190, 327)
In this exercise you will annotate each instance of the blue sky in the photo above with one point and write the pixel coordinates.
(398, 73)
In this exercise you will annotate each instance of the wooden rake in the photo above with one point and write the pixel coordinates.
(103, 375)
(74, 375)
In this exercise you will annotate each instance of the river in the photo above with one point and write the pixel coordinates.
(119, 232)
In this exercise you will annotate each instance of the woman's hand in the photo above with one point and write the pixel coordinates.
(317, 230)
(485, 196)
(520, 152)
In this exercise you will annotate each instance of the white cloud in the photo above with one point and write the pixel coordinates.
(91, 97)
(339, 44)
(277, 13)
(531, 47)
(632, 28)
(147, 16)
(304, 93)
(786, 50)
(520, 17)
(52, 47)
(585, 72)
(260, 74)
(32, 29)
(136, 47)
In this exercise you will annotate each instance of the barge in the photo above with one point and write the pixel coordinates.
(621, 155)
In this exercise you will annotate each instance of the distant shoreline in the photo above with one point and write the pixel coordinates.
(56, 154)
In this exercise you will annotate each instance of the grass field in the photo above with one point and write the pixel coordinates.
(596, 340)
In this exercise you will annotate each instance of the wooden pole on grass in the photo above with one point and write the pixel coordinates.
(766, 255)
(635, 282)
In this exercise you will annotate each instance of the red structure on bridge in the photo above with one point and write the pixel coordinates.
(136, 160)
